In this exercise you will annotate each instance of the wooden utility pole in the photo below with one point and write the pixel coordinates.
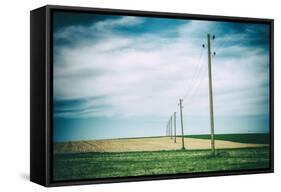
(175, 127)
(182, 134)
(171, 124)
(168, 134)
(211, 95)
(167, 129)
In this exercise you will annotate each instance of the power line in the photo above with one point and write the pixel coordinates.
(195, 74)
(197, 86)
(190, 92)
(197, 83)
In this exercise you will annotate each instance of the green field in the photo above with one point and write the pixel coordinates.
(257, 138)
(103, 165)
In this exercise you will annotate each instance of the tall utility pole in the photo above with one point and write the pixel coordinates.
(211, 95)
(182, 134)
(175, 127)
(171, 123)
(168, 128)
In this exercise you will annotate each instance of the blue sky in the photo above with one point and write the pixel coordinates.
(122, 76)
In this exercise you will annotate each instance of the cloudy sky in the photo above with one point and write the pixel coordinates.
(122, 76)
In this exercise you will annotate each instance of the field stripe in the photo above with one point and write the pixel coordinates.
(144, 144)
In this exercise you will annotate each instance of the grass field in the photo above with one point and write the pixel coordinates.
(158, 155)
(103, 165)
(258, 138)
(161, 143)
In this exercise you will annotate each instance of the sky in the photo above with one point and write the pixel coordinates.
(123, 76)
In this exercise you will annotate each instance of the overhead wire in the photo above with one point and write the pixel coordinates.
(197, 82)
(195, 74)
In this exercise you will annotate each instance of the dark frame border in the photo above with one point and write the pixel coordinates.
(49, 89)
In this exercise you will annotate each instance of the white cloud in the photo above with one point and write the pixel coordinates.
(123, 21)
(146, 74)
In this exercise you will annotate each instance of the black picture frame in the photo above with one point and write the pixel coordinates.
(41, 94)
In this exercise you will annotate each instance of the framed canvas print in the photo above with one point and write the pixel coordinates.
(120, 95)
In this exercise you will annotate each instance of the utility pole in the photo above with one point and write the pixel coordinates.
(211, 95)
(175, 127)
(167, 129)
(171, 123)
(182, 134)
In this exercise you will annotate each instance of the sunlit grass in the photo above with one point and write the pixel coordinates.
(104, 165)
